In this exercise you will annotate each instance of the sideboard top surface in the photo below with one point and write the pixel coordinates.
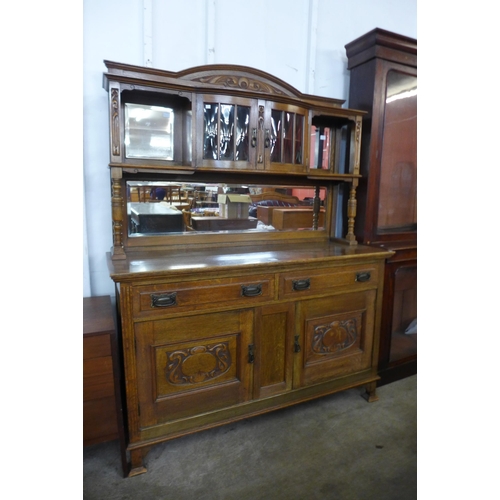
(244, 258)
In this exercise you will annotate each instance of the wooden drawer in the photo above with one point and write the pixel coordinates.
(200, 295)
(96, 346)
(99, 421)
(321, 281)
(98, 379)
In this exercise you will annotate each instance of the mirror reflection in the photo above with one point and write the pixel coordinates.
(160, 208)
(149, 132)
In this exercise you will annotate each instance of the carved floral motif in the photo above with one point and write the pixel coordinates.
(198, 364)
(115, 124)
(334, 337)
(241, 82)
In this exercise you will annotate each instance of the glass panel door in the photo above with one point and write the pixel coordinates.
(284, 138)
(398, 173)
(225, 126)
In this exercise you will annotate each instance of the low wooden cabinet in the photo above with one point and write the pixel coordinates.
(100, 421)
(215, 338)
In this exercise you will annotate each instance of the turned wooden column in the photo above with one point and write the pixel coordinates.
(117, 202)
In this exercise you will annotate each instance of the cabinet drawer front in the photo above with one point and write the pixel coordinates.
(199, 295)
(306, 283)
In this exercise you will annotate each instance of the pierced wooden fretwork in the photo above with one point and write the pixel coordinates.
(198, 364)
(334, 337)
(241, 82)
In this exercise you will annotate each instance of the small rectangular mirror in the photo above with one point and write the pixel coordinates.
(149, 132)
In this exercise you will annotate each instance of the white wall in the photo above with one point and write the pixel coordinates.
(300, 41)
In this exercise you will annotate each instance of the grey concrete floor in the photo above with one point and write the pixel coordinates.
(337, 447)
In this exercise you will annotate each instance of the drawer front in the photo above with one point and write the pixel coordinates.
(181, 297)
(320, 281)
(96, 346)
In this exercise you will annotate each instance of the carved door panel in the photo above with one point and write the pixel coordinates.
(191, 365)
(273, 367)
(336, 336)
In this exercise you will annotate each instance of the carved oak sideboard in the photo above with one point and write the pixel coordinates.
(220, 324)
(215, 336)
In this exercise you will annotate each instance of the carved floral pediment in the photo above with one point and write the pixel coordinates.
(241, 82)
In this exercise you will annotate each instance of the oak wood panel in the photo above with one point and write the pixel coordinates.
(168, 392)
(203, 294)
(327, 280)
(337, 335)
(273, 368)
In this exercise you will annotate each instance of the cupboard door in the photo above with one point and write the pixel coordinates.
(192, 365)
(397, 199)
(336, 336)
(285, 138)
(225, 132)
(273, 349)
(248, 134)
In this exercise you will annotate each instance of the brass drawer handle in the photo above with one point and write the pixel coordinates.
(361, 277)
(164, 299)
(299, 285)
(251, 290)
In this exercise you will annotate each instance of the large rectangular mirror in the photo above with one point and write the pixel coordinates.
(164, 208)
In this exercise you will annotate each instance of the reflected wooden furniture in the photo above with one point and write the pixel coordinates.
(295, 218)
(275, 195)
(155, 218)
(100, 422)
(383, 82)
(209, 223)
(147, 192)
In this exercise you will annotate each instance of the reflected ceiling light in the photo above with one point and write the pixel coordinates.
(402, 95)
(254, 258)
(188, 266)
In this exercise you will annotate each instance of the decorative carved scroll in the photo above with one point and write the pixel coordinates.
(334, 337)
(198, 364)
(357, 145)
(241, 82)
(115, 122)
